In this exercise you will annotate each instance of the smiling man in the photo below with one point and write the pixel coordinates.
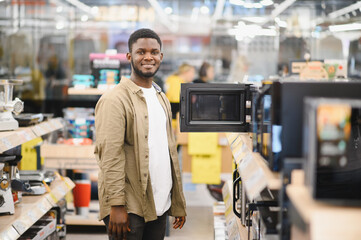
(139, 175)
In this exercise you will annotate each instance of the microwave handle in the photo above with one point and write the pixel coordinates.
(236, 195)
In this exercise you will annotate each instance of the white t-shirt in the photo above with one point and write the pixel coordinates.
(159, 159)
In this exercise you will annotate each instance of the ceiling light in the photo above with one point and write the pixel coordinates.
(257, 5)
(237, 2)
(204, 10)
(266, 2)
(345, 10)
(84, 18)
(168, 10)
(345, 27)
(248, 5)
(94, 10)
(255, 19)
(59, 25)
(58, 9)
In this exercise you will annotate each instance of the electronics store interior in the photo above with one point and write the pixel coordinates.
(265, 99)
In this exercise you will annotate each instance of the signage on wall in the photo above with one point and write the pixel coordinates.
(130, 13)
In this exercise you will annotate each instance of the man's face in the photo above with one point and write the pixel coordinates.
(145, 57)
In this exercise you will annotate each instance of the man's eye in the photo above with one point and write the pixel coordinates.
(140, 52)
(155, 53)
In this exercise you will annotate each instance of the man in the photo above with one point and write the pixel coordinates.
(139, 177)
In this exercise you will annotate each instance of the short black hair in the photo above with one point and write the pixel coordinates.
(203, 70)
(143, 33)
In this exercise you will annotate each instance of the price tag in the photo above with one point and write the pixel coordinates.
(56, 123)
(42, 207)
(32, 216)
(6, 143)
(61, 190)
(46, 126)
(20, 226)
(245, 162)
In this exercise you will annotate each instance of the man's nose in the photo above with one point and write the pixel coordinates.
(148, 56)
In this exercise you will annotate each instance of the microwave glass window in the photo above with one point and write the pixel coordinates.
(215, 107)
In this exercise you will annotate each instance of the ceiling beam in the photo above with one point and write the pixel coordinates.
(345, 10)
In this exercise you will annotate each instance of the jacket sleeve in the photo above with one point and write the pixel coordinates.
(110, 128)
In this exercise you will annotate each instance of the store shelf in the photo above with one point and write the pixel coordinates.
(61, 156)
(235, 228)
(11, 139)
(32, 208)
(89, 220)
(324, 220)
(86, 91)
(252, 167)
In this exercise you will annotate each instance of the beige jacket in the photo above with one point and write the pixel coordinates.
(121, 123)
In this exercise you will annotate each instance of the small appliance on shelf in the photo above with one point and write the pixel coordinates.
(9, 106)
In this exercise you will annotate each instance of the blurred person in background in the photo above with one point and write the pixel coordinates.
(184, 74)
(206, 73)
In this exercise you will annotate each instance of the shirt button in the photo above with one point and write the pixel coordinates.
(146, 136)
(146, 156)
(146, 116)
(145, 175)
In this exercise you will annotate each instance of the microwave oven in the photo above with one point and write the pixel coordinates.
(215, 107)
(281, 108)
(332, 149)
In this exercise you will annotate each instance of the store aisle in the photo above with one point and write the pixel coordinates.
(199, 225)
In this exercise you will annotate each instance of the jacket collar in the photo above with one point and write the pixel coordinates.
(135, 88)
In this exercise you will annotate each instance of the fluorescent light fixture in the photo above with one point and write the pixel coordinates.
(204, 10)
(218, 12)
(168, 10)
(266, 2)
(250, 31)
(345, 10)
(81, 6)
(282, 7)
(94, 10)
(59, 25)
(84, 18)
(59, 9)
(281, 23)
(257, 5)
(345, 27)
(237, 2)
(255, 19)
(248, 5)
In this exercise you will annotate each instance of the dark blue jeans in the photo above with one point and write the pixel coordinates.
(140, 230)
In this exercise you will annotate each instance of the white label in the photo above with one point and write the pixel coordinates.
(7, 143)
(20, 226)
(80, 121)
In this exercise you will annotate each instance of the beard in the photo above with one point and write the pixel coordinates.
(143, 74)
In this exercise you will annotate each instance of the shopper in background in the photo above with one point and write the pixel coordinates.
(139, 177)
(206, 73)
(184, 74)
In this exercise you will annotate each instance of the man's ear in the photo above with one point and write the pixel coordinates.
(129, 57)
(161, 56)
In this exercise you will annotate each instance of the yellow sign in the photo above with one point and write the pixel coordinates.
(207, 168)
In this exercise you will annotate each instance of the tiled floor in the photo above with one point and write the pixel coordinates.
(199, 224)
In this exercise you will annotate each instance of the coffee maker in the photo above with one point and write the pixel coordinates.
(9, 106)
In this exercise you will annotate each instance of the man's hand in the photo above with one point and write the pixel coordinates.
(118, 223)
(179, 222)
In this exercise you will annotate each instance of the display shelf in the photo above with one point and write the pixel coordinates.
(32, 208)
(323, 220)
(61, 156)
(235, 228)
(11, 139)
(252, 167)
(86, 91)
